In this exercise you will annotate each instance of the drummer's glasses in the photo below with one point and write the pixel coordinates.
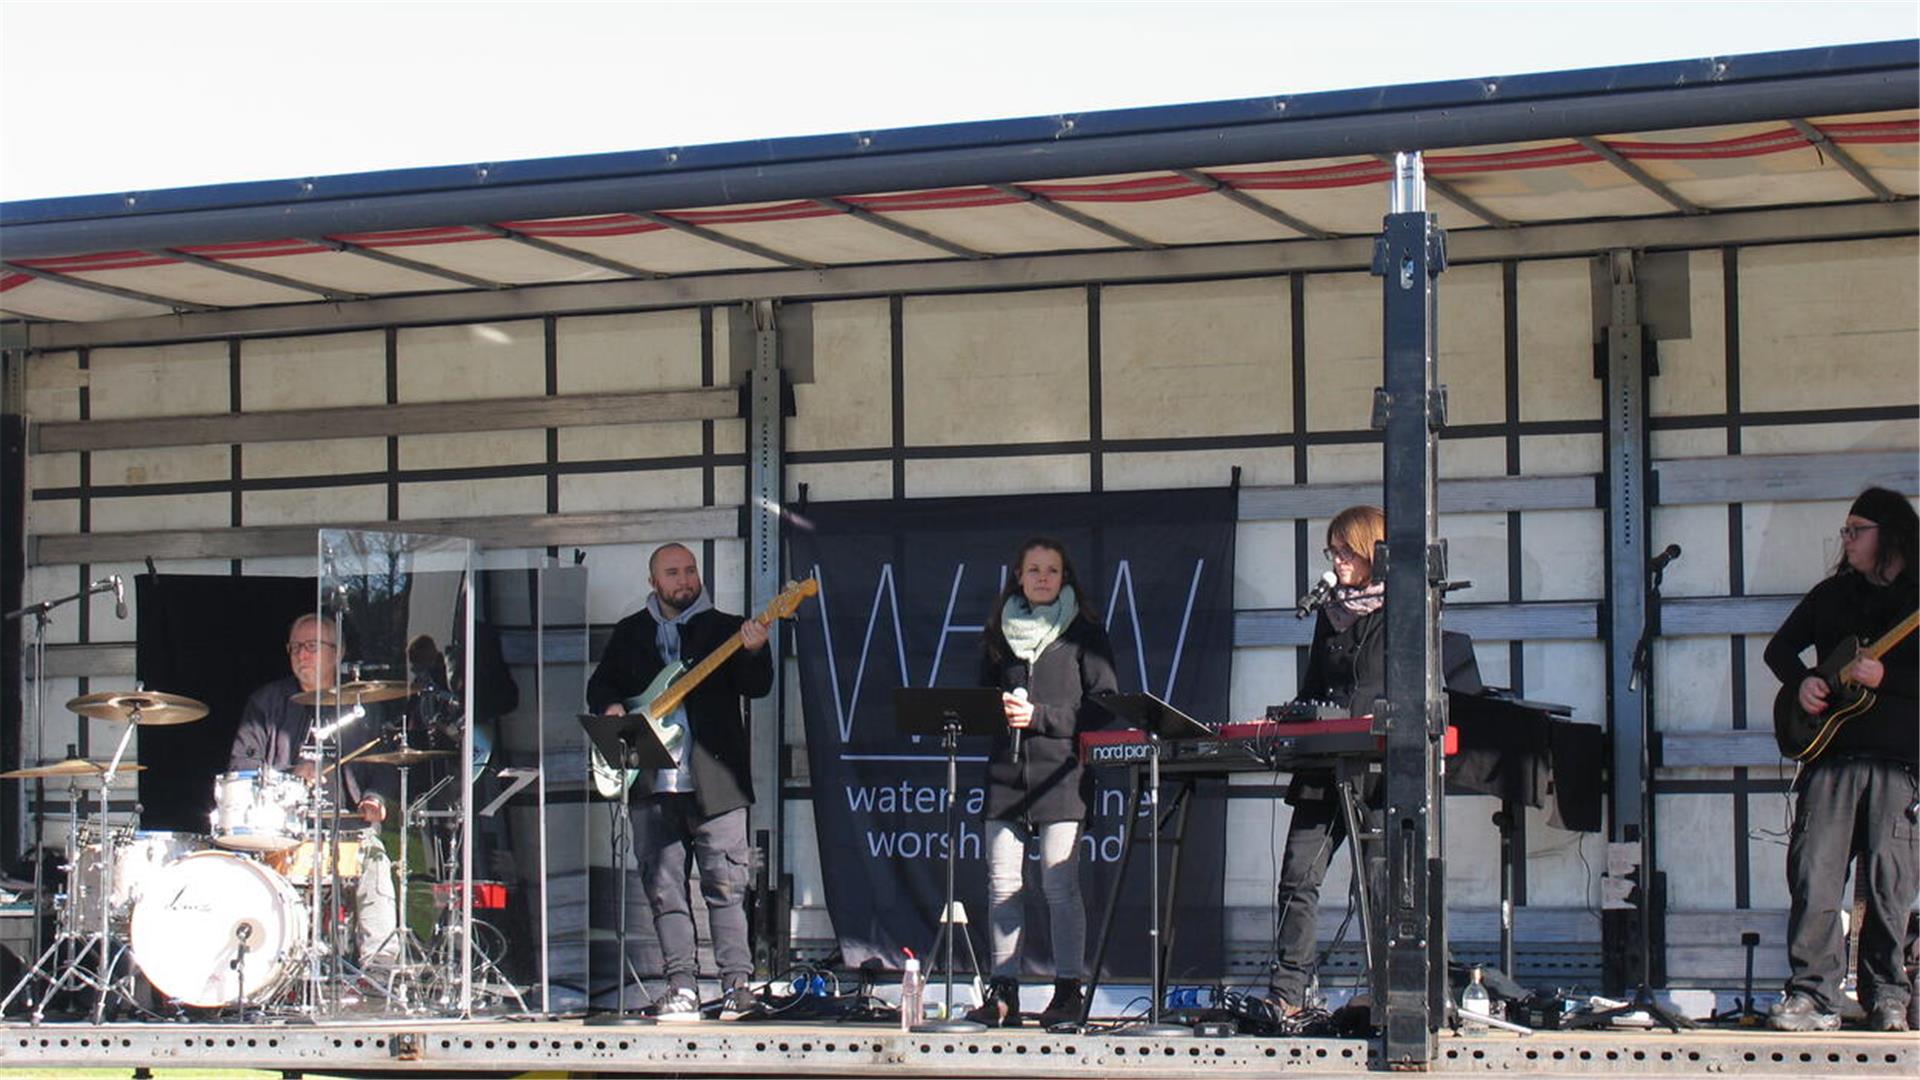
(305, 648)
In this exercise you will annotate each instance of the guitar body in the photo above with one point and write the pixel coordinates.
(1804, 736)
(663, 696)
(612, 783)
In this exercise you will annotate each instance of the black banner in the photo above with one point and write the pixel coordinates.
(905, 589)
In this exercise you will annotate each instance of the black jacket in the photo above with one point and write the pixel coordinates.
(1048, 783)
(272, 730)
(1349, 668)
(1848, 605)
(722, 766)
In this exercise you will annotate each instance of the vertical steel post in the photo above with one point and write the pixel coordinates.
(766, 435)
(1411, 408)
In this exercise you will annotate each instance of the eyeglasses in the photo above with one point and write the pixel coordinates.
(1852, 532)
(303, 648)
(1340, 554)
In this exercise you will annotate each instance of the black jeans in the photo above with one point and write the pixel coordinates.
(1315, 833)
(1847, 804)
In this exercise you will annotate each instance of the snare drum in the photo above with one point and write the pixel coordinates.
(137, 859)
(296, 863)
(258, 809)
(189, 927)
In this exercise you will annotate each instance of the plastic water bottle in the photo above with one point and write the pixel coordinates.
(912, 994)
(1474, 1001)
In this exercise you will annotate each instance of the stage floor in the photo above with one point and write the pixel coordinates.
(450, 1047)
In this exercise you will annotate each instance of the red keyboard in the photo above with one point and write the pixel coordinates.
(1258, 745)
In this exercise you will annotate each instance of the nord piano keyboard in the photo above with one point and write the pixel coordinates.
(1254, 746)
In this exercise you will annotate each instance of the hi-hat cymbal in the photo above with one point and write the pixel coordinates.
(352, 693)
(69, 767)
(403, 757)
(150, 707)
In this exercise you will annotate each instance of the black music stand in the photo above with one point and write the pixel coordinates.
(949, 712)
(627, 742)
(1160, 721)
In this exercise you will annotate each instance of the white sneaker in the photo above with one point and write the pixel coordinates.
(679, 1006)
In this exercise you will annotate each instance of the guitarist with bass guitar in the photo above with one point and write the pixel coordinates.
(1854, 723)
(697, 812)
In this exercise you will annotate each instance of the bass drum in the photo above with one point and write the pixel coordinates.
(195, 915)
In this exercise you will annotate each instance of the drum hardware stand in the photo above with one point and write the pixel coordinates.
(41, 611)
(66, 934)
(322, 992)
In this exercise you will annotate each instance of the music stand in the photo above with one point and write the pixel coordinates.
(1160, 721)
(949, 712)
(628, 741)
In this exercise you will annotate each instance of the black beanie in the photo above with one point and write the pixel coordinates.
(1883, 507)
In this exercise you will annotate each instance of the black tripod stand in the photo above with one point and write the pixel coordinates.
(949, 713)
(628, 742)
(1643, 998)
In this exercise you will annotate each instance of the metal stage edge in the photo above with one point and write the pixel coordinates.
(446, 1047)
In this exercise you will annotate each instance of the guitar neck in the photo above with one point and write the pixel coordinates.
(1892, 637)
(675, 694)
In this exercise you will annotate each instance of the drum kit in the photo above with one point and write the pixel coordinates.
(253, 915)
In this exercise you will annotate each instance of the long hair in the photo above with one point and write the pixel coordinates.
(1358, 529)
(1897, 534)
(996, 637)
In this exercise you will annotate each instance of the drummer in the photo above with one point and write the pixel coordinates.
(272, 730)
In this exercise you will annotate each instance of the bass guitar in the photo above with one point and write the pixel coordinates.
(1804, 736)
(663, 696)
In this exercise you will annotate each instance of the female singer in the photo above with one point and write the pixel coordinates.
(1048, 653)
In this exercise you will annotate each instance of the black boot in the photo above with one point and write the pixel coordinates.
(1001, 1005)
(1069, 1001)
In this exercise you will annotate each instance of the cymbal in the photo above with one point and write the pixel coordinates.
(69, 767)
(155, 709)
(365, 692)
(403, 757)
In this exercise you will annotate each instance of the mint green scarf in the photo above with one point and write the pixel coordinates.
(1029, 629)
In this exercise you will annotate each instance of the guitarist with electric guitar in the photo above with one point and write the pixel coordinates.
(1854, 723)
(688, 666)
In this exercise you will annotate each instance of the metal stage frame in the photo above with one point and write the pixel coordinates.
(448, 1047)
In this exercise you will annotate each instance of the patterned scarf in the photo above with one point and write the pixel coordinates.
(1347, 603)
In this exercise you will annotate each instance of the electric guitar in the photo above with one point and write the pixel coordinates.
(1804, 736)
(663, 696)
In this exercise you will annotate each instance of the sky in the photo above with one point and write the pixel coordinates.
(114, 97)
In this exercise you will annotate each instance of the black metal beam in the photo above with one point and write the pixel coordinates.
(551, 248)
(895, 227)
(1241, 198)
(107, 290)
(1080, 218)
(404, 263)
(228, 267)
(1639, 175)
(713, 237)
(1843, 159)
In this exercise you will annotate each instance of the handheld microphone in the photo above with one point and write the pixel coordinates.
(119, 596)
(1017, 675)
(1661, 560)
(1317, 597)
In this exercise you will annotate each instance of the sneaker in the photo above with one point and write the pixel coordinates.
(679, 1006)
(1280, 1007)
(1888, 1016)
(739, 1003)
(1799, 1012)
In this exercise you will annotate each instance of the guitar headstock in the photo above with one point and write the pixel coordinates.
(784, 605)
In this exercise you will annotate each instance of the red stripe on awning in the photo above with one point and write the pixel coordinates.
(13, 281)
(105, 260)
(788, 211)
(1766, 142)
(445, 234)
(1144, 189)
(1537, 157)
(256, 249)
(604, 225)
(942, 199)
(1870, 132)
(1352, 174)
